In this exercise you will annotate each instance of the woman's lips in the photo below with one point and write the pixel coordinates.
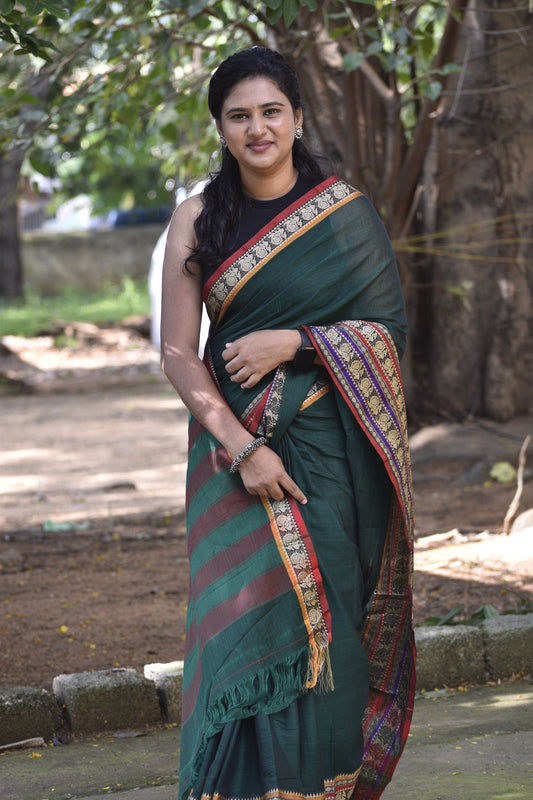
(259, 147)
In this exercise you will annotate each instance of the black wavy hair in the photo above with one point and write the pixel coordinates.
(223, 198)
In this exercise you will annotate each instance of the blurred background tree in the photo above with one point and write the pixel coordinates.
(425, 106)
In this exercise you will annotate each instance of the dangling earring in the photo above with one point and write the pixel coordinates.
(298, 132)
(223, 142)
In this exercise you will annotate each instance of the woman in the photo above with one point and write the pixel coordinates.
(299, 654)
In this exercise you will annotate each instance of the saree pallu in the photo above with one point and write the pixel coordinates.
(299, 668)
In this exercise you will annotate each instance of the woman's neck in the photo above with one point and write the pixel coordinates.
(268, 187)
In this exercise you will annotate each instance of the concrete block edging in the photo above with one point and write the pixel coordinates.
(122, 699)
(92, 702)
(497, 649)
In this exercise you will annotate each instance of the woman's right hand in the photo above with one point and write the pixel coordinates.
(263, 474)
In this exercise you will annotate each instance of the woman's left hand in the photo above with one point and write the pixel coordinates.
(251, 357)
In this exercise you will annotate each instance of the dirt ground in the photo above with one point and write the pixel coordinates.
(93, 568)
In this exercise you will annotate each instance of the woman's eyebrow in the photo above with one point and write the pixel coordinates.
(263, 105)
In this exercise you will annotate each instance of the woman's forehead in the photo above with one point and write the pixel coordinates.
(256, 90)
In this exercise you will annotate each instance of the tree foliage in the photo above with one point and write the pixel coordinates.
(135, 73)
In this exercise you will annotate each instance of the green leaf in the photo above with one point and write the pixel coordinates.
(447, 618)
(41, 166)
(5, 33)
(373, 48)
(433, 90)
(60, 10)
(427, 45)
(274, 4)
(6, 6)
(336, 33)
(400, 35)
(274, 14)
(485, 612)
(290, 11)
(503, 472)
(352, 61)
(170, 132)
(33, 8)
(28, 98)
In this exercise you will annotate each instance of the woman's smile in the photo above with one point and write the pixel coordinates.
(259, 147)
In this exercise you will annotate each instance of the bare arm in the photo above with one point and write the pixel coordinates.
(262, 472)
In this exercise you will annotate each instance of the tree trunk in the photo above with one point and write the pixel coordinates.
(10, 259)
(475, 322)
(354, 118)
(11, 158)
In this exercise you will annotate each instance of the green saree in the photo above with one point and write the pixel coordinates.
(299, 670)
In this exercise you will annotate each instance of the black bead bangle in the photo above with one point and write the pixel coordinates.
(247, 451)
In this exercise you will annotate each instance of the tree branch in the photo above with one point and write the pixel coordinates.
(412, 165)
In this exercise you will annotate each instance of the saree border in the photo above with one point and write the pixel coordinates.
(285, 228)
(361, 360)
(298, 555)
(341, 787)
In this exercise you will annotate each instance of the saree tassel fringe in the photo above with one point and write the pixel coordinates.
(319, 672)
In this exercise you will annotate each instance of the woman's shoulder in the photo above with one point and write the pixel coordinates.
(185, 214)
(191, 207)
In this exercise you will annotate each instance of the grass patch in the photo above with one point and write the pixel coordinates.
(106, 305)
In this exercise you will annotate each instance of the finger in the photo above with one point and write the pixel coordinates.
(251, 381)
(228, 353)
(293, 489)
(235, 364)
(241, 375)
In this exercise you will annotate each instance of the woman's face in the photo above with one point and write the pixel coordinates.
(258, 122)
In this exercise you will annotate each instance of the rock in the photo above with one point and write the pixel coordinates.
(26, 712)
(168, 679)
(449, 656)
(508, 642)
(107, 700)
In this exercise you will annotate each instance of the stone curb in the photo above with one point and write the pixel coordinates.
(112, 700)
(497, 649)
(93, 702)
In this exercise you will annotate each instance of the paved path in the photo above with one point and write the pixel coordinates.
(472, 745)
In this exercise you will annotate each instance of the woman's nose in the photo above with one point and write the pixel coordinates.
(256, 125)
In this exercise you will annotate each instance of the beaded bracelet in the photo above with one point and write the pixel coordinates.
(247, 451)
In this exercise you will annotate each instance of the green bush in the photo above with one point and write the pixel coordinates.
(107, 305)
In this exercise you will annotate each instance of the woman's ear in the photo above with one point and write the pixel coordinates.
(298, 117)
(219, 127)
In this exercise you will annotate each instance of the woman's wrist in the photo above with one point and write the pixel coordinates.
(250, 448)
(293, 343)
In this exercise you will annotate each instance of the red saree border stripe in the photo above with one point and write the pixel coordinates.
(266, 229)
(309, 547)
(252, 420)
